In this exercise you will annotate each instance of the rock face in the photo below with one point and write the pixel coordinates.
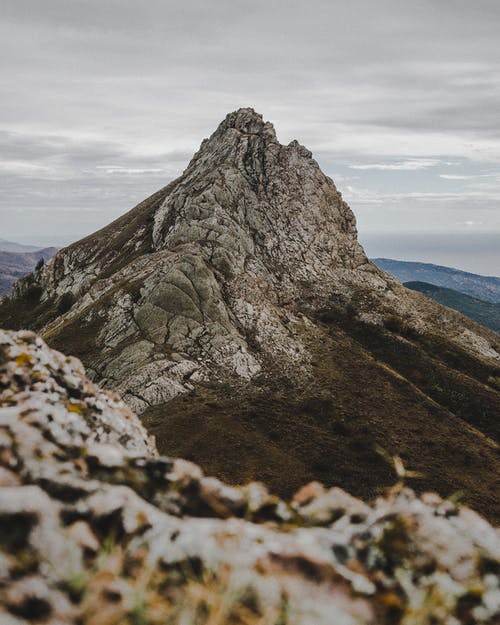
(243, 280)
(250, 226)
(96, 528)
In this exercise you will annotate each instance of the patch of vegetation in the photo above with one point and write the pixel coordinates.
(485, 313)
(77, 337)
(168, 595)
(394, 323)
(494, 381)
(27, 311)
(34, 293)
(369, 387)
(65, 302)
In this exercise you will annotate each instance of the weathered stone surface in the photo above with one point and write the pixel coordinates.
(96, 528)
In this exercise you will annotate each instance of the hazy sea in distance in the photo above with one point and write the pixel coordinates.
(474, 252)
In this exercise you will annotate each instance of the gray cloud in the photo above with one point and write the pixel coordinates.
(104, 101)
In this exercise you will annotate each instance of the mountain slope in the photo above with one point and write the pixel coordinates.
(14, 265)
(236, 311)
(486, 288)
(485, 313)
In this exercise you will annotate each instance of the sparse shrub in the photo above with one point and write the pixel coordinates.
(394, 323)
(39, 264)
(494, 381)
(253, 340)
(34, 293)
(329, 315)
(410, 333)
(66, 301)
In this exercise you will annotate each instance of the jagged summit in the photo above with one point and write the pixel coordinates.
(243, 136)
(247, 121)
(255, 201)
(244, 278)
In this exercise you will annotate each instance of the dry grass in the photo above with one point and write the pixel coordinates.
(114, 592)
(369, 388)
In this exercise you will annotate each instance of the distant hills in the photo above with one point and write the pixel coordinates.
(11, 246)
(485, 313)
(486, 288)
(14, 265)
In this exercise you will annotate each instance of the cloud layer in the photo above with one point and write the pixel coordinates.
(104, 101)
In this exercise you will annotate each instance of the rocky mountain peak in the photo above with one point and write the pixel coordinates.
(246, 121)
(236, 309)
(256, 202)
(243, 129)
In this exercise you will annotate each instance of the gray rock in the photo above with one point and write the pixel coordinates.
(95, 527)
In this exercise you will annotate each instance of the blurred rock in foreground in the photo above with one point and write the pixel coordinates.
(96, 528)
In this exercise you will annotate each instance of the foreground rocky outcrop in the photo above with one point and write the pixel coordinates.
(96, 528)
(237, 314)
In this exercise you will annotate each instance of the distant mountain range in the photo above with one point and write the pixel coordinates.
(485, 313)
(14, 265)
(11, 246)
(486, 288)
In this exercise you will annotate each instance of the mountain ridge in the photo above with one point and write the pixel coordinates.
(483, 287)
(12, 246)
(485, 313)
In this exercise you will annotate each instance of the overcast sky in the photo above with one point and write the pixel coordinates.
(103, 102)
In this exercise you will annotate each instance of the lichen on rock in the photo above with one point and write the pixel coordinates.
(97, 528)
